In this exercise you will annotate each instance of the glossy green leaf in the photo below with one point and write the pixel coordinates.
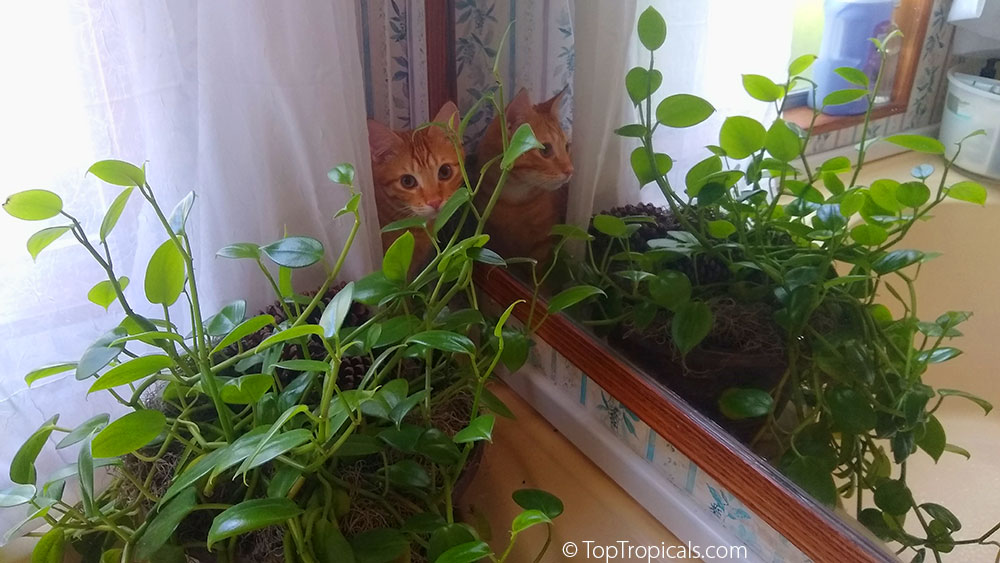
(933, 439)
(38, 241)
(919, 143)
(569, 297)
(103, 293)
(968, 191)
(939, 355)
(537, 499)
(227, 319)
(851, 412)
(610, 225)
(896, 260)
(438, 447)
(635, 130)
(640, 84)
(415, 222)
(162, 526)
(522, 141)
(165, 274)
(983, 403)
(342, 174)
(251, 515)
(22, 465)
(85, 429)
(246, 389)
(289, 334)
(16, 495)
(741, 136)
(800, 64)
(481, 428)
(691, 324)
(683, 110)
(454, 203)
(48, 371)
(894, 497)
(128, 433)
(408, 473)
(114, 212)
(242, 330)
(33, 205)
(845, 96)
(294, 252)
(913, 194)
(252, 459)
(240, 250)
(942, 514)
(465, 553)
(51, 547)
(336, 311)
(652, 29)
(782, 143)
(131, 371)
(869, 235)
(853, 75)
(527, 519)
(762, 88)
(444, 340)
(179, 216)
(642, 168)
(738, 403)
(118, 172)
(397, 259)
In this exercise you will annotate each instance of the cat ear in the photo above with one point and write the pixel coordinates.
(447, 114)
(381, 140)
(552, 104)
(519, 108)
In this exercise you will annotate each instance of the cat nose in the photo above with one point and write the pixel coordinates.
(568, 170)
(435, 203)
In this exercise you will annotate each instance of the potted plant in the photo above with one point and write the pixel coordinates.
(335, 426)
(758, 294)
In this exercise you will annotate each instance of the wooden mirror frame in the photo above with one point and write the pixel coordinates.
(815, 530)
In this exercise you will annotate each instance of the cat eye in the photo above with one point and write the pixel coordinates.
(444, 172)
(546, 150)
(409, 181)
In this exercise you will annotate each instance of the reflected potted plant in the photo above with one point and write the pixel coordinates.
(758, 293)
(336, 426)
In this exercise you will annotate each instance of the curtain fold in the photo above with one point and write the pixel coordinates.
(247, 103)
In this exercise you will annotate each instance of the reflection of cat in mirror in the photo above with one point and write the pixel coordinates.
(415, 172)
(533, 199)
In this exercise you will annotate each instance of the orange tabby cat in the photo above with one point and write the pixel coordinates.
(415, 172)
(533, 199)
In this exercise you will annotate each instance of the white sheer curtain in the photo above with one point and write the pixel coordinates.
(710, 44)
(248, 103)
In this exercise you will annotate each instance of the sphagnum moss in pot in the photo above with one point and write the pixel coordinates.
(336, 426)
(809, 254)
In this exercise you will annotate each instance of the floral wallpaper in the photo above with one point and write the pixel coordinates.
(926, 98)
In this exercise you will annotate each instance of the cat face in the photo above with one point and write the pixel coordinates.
(415, 172)
(549, 167)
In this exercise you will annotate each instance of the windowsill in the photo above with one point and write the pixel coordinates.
(803, 115)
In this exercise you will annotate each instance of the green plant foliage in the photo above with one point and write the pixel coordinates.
(43, 238)
(165, 274)
(741, 136)
(128, 433)
(33, 205)
(294, 252)
(683, 110)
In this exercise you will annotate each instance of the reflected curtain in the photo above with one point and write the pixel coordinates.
(247, 103)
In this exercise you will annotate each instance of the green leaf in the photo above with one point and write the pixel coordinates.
(331, 545)
(38, 241)
(85, 470)
(336, 311)
(22, 465)
(690, 325)
(683, 110)
(240, 250)
(165, 274)
(406, 223)
(983, 403)
(670, 289)
(118, 172)
(957, 450)
(294, 252)
(114, 212)
(938, 355)
(162, 526)
(652, 29)
(408, 473)
(33, 205)
(869, 235)
(933, 439)
(800, 64)
(738, 403)
(641, 83)
(454, 203)
(762, 88)
(132, 370)
(495, 404)
(48, 371)
(836, 165)
(812, 474)
(741, 136)
(894, 497)
(84, 430)
(853, 75)
(383, 545)
(16, 495)
(179, 216)
(697, 176)
(399, 255)
(537, 499)
(289, 334)
(242, 330)
(247, 389)
(846, 96)
(644, 172)
(852, 412)
(342, 174)
(610, 225)
(522, 141)
(896, 260)
(919, 143)
(277, 445)
(252, 460)
(103, 293)
(465, 553)
(251, 515)
(635, 130)
(569, 297)
(481, 428)
(50, 548)
(833, 183)
(943, 515)
(968, 191)
(913, 194)
(527, 519)
(783, 143)
(227, 319)
(444, 340)
(128, 433)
